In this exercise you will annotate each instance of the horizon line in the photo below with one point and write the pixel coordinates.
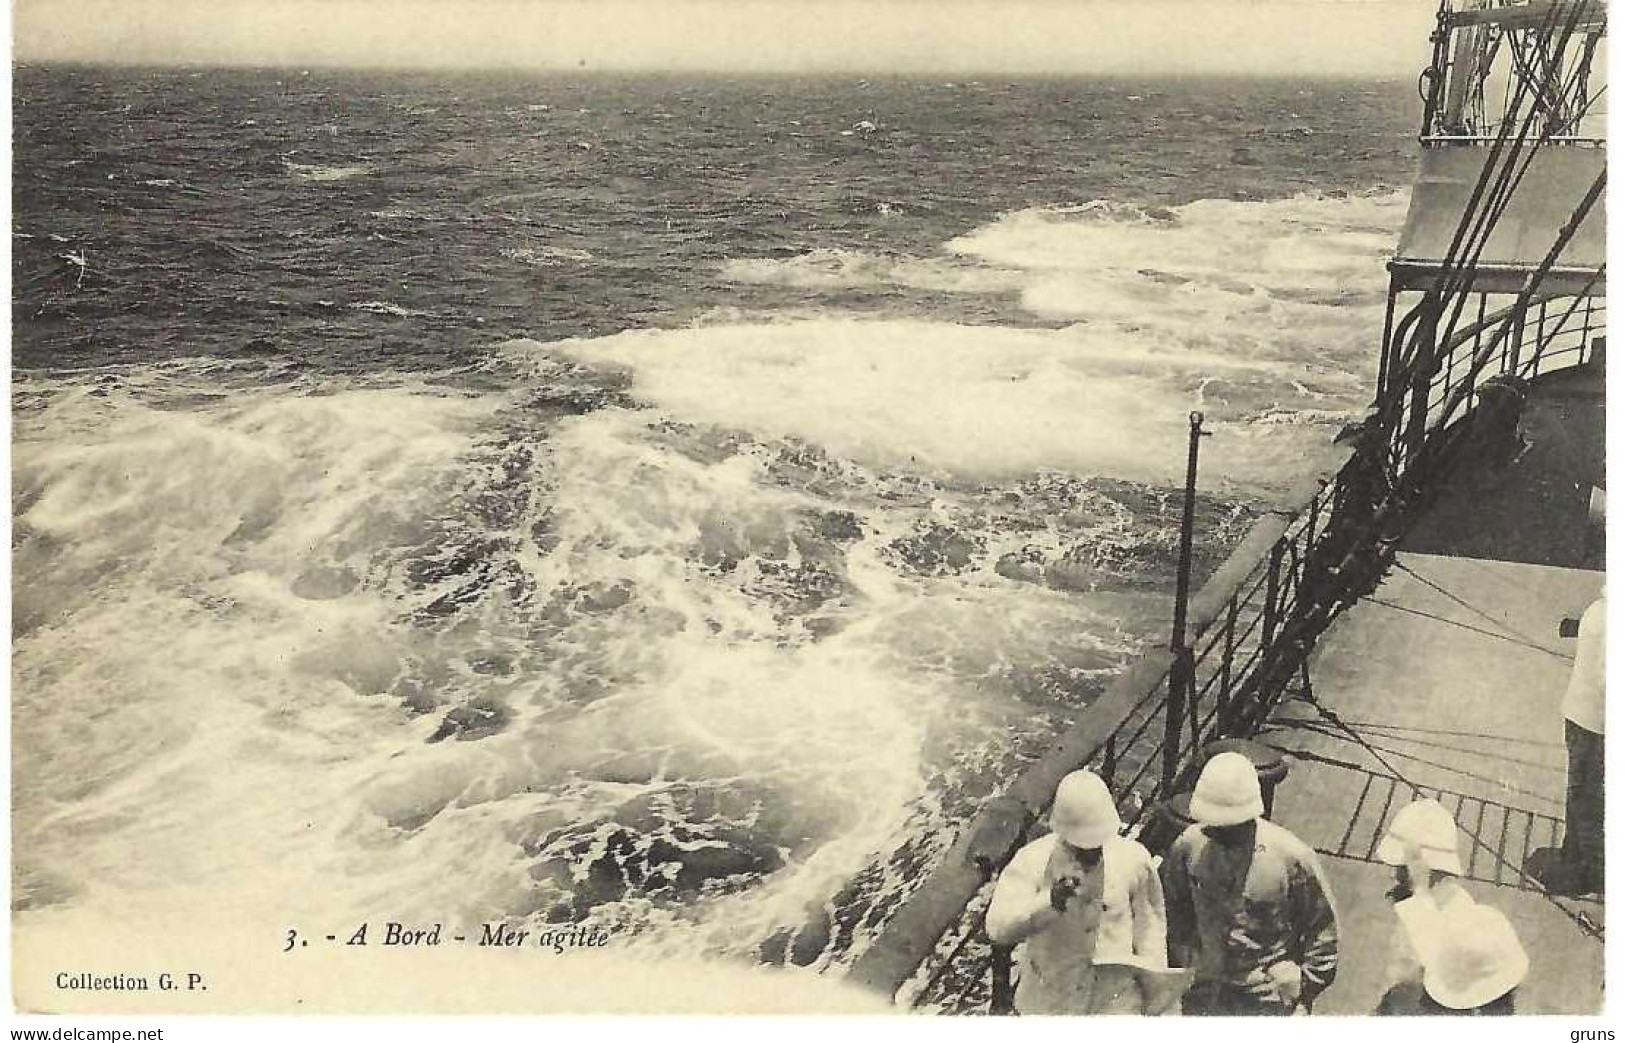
(858, 72)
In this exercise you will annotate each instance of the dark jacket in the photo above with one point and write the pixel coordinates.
(1234, 914)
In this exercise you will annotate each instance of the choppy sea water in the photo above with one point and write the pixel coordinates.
(670, 504)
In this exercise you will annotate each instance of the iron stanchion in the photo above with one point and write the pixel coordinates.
(1180, 675)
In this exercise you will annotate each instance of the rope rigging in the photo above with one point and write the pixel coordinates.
(1579, 919)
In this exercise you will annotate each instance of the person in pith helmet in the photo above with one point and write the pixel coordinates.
(1423, 833)
(1080, 896)
(1472, 963)
(1422, 844)
(1248, 906)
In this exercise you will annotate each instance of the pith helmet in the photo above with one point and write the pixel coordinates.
(1227, 792)
(1426, 826)
(1084, 814)
(1477, 959)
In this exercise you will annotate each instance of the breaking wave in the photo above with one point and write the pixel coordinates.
(1212, 260)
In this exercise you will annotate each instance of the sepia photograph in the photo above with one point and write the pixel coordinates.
(732, 507)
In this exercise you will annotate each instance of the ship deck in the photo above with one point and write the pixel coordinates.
(1446, 681)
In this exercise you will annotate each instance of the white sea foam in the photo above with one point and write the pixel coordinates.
(400, 212)
(1247, 310)
(173, 542)
(391, 308)
(834, 269)
(326, 172)
(1084, 258)
(547, 256)
(253, 581)
(971, 400)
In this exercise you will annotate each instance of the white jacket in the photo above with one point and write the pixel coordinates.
(1420, 918)
(1116, 913)
(1583, 701)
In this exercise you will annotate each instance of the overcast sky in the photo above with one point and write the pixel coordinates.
(1336, 37)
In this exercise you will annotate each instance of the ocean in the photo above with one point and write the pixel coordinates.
(669, 505)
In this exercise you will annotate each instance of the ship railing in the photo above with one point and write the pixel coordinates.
(1253, 625)
(1488, 140)
(1544, 336)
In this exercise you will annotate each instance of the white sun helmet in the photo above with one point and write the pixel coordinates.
(1084, 814)
(1476, 959)
(1227, 792)
(1423, 825)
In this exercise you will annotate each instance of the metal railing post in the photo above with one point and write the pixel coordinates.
(1423, 366)
(1541, 336)
(1385, 361)
(1272, 593)
(1002, 996)
(1227, 664)
(1512, 344)
(1181, 674)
